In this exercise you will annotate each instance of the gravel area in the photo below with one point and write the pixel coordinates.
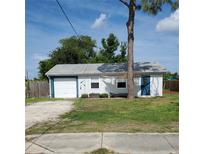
(44, 111)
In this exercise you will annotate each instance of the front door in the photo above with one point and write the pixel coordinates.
(145, 85)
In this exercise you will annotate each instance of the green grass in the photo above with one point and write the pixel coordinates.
(101, 151)
(34, 100)
(159, 114)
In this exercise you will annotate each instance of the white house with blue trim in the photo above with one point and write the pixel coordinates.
(73, 80)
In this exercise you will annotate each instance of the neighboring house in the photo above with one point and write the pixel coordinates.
(73, 80)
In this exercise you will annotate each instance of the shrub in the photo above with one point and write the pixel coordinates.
(84, 96)
(104, 95)
(94, 95)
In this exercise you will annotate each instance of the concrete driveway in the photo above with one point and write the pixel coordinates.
(123, 143)
(44, 111)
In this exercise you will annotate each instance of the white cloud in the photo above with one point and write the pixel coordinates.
(39, 57)
(100, 21)
(169, 24)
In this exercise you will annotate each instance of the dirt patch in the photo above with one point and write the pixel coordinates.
(44, 111)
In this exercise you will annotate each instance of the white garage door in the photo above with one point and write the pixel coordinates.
(65, 88)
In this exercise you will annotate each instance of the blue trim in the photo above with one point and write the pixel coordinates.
(77, 86)
(52, 84)
(52, 87)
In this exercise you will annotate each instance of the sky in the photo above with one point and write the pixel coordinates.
(156, 37)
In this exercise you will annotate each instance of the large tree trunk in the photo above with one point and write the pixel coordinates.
(130, 30)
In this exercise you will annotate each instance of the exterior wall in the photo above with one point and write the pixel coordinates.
(137, 87)
(106, 85)
(109, 85)
(156, 86)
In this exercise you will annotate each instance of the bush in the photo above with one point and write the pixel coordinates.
(94, 95)
(84, 96)
(104, 95)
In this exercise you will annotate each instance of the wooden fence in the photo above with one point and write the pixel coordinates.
(172, 85)
(37, 89)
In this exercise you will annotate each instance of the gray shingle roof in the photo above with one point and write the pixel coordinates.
(95, 69)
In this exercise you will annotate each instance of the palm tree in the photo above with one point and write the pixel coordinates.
(147, 6)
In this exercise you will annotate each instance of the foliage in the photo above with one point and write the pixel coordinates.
(84, 96)
(101, 151)
(94, 95)
(169, 76)
(44, 66)
(108, 54)
(155, 6)
(122, 57)
(152, 6)
(104, 95)
(74, 50)
(110, 45)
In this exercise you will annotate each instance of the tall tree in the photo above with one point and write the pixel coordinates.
(147, 6)
(110, 45)
(72, 50)
(108, 54)
(44, 66)
(122, 56)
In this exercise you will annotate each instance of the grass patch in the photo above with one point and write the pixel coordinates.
(159, 114)
(101, 151)
(34, 100)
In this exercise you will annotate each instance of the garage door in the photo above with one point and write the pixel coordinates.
(65, 88)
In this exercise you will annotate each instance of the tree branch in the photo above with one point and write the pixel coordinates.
(124, 2)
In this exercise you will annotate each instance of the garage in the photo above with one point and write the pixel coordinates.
(65, 88)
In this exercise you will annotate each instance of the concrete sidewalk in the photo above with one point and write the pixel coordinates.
(125, 143)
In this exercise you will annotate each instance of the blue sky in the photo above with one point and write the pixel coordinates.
(156, 37)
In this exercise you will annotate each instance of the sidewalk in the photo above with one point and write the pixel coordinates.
(125, 143)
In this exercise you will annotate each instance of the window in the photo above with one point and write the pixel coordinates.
(94, 84)
(121, 84)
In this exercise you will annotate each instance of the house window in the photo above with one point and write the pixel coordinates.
(95, 82)
(121, 84)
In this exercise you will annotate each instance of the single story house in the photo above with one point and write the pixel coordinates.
(73, 80)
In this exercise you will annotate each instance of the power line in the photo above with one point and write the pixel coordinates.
(67, 18)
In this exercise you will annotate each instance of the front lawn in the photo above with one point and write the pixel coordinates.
(159, 114)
